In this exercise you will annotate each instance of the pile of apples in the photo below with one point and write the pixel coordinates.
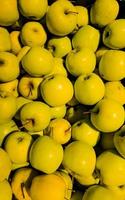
(62, 97)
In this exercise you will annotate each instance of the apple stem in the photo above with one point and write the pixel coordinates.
(28, 121)
(86, 112)
(67, 130)
(70, 12)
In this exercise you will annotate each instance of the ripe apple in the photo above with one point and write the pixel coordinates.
(107, 115)
(79, 158)
(9, 67)
(21, 182)
(38, 61)
(111, 168)
(7, 107)
(10, 87)
(35, 116)
(5, 190)
(83, 130)
(15, 41)
(80, 61)
(59, 46)
(18, 143)
(93, 87)
(103, 12)
(33, 10)
(6, 129)
(111, 34)
(58, 111)
(112, 65)
(46, 154)
(9, 13)
(61, 18)
(58, 86)
(5, 41)
(33, 34)
(60, 130)
(28, 86)
(87, 36)
(5, 165)
(115, 90)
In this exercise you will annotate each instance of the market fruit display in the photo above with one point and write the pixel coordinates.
(62, 100)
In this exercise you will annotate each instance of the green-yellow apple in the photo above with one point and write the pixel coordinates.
(61, 18)
(46, 154)
(10, 87)
(28, 86)
(112, 65)
(113, 35)
(35, 115)
(110, 166)
(87, 36)
(97, 192)
(5, 41)
(60, 130)
(34, 10)
(33, 34)
(80, 61)
(17, 145)
(9, 13)
(5, 190)
(77, 195)
(119, 141)
(58, 111)
(5, 165)
(107, 115)
(7, 107)
(23, 51)
(83, 130)
(59, 46)
(20, 101)
(15, 41)
(9, 67)
(59, 86)
(21, 181)
(103, 12)
(115, 90)
(38, 61)
(106, 141)
(79, 158)
(6, 129)
(51, 186)
(58, 67)
(89, 88)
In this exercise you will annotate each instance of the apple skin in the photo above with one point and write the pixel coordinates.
(37, 56)
(10, 87)
(112, 65)
(22, 53)
(5, 190)
(46, 154)
(111, 34)
(9, 67)
(82, 16)
(15, 41)
(58, 111)
(33, 34)
(80, 61)
(86, 36)
(33, 120)
(5, 40)
(107, 115)
(93, 87)
(61, 87)
(61, 18)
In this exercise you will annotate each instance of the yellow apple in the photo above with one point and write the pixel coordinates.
(5, 40)
(5, 190)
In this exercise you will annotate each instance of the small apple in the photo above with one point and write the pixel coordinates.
(59, 46)
(9, 67)
(18, 143)
(38, 61)
(31, 119)
(15, 41)
(10, 87)
(28, 87)
(60, 130)
(58, 86)
(61, 18)
(80, 61)
(112, 65)
(93, 87)
(5, 40)
(33, 34)
(46, 154)
(107, 115)
(5, 190)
